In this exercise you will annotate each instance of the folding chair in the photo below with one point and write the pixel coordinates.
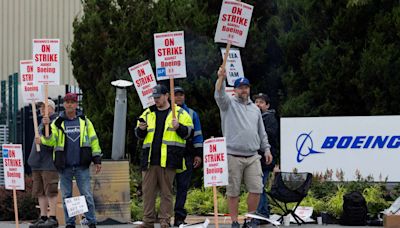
(290, 188)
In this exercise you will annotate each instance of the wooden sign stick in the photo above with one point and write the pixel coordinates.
(215, 206)
(35, 124)
(228, 48)
(15, 208)
(172, 94)
(46, 108)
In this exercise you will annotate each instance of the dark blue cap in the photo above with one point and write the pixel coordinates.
(241, 81)
(159, 90)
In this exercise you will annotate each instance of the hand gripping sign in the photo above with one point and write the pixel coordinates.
(234, 68)
(170, 55)
(233, 23)
(144, 80)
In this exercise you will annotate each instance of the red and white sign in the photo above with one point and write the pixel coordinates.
(170, 55)
(230, 91)
(233, 67)
(46, 61)
(31, 92)
(215, 162)
(233, 23)
(144, 80)
(13, 166)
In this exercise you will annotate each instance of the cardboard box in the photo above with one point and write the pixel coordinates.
(391, 221)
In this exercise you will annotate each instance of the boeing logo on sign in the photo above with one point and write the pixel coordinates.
(304, 146)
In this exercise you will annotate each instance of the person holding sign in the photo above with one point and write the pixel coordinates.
(75, 146)
(243, 128)
(44, 176)
(271, 128)
(193, 155)
(164, 136)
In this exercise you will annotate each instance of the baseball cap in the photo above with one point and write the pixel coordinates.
(159, 90)
(241, 81)
(71, 97)
(49, 102)
(263, 96)
(179, 89)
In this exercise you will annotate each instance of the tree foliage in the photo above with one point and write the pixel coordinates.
(313, 57)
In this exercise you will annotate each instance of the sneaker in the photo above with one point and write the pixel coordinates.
(50, 222)
(92, 225)
(70, 226)
(37, 222)
(235, 224)
(177, 223)
(252, 223)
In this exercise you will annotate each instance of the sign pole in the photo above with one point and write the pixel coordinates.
(172, 93)
(228, 47)
(215, 206)
(35, 124)
(46, 108)
(15, 207)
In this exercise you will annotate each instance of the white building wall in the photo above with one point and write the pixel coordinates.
(24, 20)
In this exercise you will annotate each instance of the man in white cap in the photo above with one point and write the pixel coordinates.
(44, 175)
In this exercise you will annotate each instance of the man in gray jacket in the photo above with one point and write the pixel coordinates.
(45, 176)
(243, 128)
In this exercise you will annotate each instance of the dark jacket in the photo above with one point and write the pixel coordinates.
(271, 127)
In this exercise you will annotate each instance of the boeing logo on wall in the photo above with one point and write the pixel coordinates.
(305, 144)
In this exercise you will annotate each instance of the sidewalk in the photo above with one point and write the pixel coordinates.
(224, 222)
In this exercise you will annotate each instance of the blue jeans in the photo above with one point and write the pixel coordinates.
(263, 205)
(182, 186)
(82, 177)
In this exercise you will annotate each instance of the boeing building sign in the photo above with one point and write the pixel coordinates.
(369, 145)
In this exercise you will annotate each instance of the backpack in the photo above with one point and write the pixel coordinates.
(354, 210)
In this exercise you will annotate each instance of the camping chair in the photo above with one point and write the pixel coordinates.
(290, 188)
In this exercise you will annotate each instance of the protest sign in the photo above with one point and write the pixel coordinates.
(170, 55)
(233, 23)
(215, 162)
(76, 205)
(230, 91)
(13, 162)
(31, 92)
(233, 67)
(46, 61)
(144, 81)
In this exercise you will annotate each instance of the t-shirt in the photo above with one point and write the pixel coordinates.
(161, 116)
(72, 142)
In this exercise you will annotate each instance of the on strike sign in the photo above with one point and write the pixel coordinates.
(215, 162)
(144, 80)
(31, 92)
(233, 67)
(170, 55)
(46, 61)
(233, 23)
(13, 166)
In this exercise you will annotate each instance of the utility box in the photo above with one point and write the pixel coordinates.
(111, 193)
(391, 221)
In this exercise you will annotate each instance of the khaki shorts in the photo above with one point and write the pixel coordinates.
(45, 183)
(248, 169)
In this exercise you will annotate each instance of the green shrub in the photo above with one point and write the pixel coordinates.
(374, 196)
(201, 202)
(26, 203)
(334, 204)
